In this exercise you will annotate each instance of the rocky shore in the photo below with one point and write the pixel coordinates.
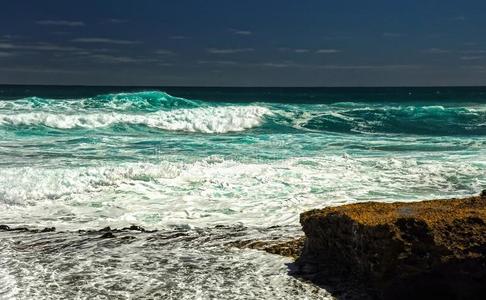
(420, 250)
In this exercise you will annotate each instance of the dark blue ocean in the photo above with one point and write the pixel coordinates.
(206, 166)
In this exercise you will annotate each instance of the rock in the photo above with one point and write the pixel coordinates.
(483, 194)
(107, 235)
(48, 229)
(4, 227)
(430, 249)
(290, 248)
(134, 227)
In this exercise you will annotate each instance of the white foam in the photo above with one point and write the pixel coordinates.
(219, 119)
(211, 191)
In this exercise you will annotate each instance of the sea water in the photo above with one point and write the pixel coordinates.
(205, 167)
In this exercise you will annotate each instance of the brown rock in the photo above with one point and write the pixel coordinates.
(290, 248)
(430, 249)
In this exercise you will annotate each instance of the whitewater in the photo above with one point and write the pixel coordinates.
(206, 172)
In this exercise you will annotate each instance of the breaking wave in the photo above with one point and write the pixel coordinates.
(160, 110)
(206, 120)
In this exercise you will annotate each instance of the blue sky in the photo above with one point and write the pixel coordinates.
(243, 43)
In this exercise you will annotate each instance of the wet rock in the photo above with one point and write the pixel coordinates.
(105, 229)
(107, 235)
(48, 229)
(135, 228)
(483, 194)
(430, 249)
(4, 227)
(290, 248)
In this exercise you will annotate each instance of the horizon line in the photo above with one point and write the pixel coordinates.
(241, 86)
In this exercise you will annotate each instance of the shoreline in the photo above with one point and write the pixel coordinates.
(400, 250)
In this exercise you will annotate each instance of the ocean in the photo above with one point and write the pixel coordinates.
(200, 168)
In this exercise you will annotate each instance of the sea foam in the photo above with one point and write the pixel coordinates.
(219, 119)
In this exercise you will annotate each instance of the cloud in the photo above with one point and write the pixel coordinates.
(337, 67)
(303, 50)
(105, 41)
(104, 58)
(459, 18)
(60, 23)
(327, 51)
(217, 62)
(40, 70)
(229, 51)
(480, 69)
(11, 36)
(116, 21)
(368, 67)
(276, 65)
(38, 46)
(5, 54)
(178, 37)
(164, 52)
(471, 57)
(436, 51)
(474, 51)
(391, 34)
(240, 32)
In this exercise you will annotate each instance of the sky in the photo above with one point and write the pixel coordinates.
(243, 43)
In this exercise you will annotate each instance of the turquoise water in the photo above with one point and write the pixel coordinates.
(193, 158)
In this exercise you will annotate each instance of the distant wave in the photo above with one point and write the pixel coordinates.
(145, 101)
(423, 120)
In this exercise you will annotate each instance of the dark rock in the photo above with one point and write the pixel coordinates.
(4, 227)
(483, 194)
(105, 229)
(108, 235)
(135, 227)
(421, 250)
(48, 229)
(290, 248)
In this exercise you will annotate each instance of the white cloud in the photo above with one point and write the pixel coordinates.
(466, 57)
(164, 52)
(240, 32)
(217, 62)
(474, 51)
(39, 70)
(459, 18)
(287, 64)
(38, 46)
(116, 21)
(5, 54)
(60, 23)
(229, 51)
(327, 51)
(276, 65)
(436, 51)
(178, 37)
(105, 41)
(120, 59)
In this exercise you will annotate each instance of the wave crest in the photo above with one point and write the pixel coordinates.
(145, 101)
(221, 119)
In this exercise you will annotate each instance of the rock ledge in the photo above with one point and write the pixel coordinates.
(422, 250)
